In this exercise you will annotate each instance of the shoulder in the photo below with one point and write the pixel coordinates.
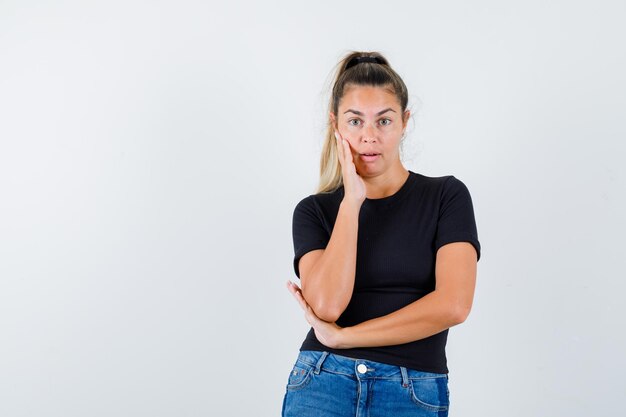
(320, 201)
(454, 184)
(432, 180)
(439, 184)
(454, 192)
(442, 190)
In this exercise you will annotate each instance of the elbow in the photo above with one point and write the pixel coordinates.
(329, 313)
(326, 308)
(459, 314)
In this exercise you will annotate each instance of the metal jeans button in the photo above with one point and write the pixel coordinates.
(361, 368)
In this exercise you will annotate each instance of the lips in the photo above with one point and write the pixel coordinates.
(369, 157)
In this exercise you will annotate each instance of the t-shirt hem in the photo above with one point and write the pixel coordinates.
(364, 355)
(303, 252)
(460, 238)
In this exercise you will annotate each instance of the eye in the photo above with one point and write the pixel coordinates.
(353, 120)
(387, 120)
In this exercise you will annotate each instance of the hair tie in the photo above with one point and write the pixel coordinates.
(359, 59)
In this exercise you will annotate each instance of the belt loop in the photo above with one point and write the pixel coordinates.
(405, 377)
(318, 366)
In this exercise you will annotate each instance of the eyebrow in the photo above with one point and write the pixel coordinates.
(361, 114)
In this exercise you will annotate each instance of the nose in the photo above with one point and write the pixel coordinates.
(369, 133)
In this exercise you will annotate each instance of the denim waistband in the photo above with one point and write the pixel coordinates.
(361, 368)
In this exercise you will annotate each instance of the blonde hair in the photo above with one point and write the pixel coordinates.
(348, 73)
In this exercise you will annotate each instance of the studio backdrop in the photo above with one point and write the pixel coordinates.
(152, 153)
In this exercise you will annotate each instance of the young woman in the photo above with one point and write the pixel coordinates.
(386, 258)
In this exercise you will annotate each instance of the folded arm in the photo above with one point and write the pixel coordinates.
(448, 305)
(327, 275)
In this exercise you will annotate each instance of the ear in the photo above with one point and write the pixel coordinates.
(407, 115)
(333, 120)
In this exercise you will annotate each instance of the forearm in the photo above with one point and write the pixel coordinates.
(425, 317)
(330, 282)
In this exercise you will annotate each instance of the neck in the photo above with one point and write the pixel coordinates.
(385, 184)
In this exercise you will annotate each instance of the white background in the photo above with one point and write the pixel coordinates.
(152, 152)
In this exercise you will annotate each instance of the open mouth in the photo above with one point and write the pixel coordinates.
(369, 157)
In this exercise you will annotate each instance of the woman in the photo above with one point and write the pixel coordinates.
(386, 259)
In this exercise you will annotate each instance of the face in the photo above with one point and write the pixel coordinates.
(370, 119)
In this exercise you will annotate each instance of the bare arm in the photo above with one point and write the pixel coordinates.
(448, 305)
(327, 275)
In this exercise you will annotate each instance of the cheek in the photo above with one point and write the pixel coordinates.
(349, 132)
(352, 151)
(346, 132)
(347, 135)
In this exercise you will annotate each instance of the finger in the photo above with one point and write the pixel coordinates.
(308, 311)
(301, 300)
(302, 305)
(347, 151)
(291, 285)
(296, 293)
(310, 316)
(293, 290)
(339, 147)
(343, 149)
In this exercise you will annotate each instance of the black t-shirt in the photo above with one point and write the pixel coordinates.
(397, 243)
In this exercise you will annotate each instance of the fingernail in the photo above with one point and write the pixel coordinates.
(336, 135)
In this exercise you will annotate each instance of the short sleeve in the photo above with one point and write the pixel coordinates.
(308, 230)
(456, 216)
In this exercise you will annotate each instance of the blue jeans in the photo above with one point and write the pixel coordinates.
(325, 384)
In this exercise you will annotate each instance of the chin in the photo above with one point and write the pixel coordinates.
(369, 171)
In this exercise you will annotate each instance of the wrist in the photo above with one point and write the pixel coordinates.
(351, 206)
(345, 338)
